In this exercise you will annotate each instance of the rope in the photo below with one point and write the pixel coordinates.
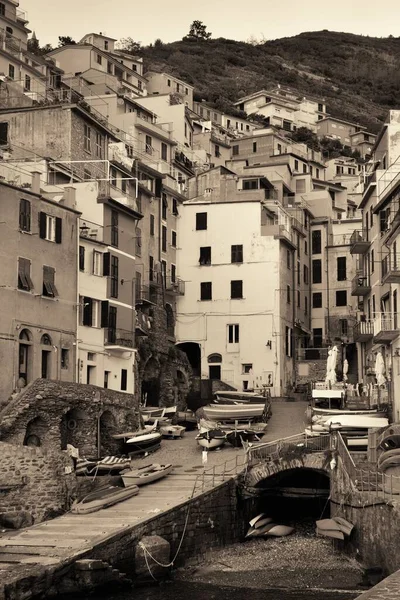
(147, 553)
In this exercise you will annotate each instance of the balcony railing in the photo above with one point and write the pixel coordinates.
(118, 338)
(363, 331)
(175, 286)
(360, 285)
(279, 232)
(359, 243)
(391, 268)
(386, 327)
(143, 295)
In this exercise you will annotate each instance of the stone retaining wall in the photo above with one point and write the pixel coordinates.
(34, 480)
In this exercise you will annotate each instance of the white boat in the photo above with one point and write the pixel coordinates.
(157, 412)
(232, 412)
(345, 411)
(231, 397)
(211, 438)
(172, 431)
(355, 422)
(145, 474)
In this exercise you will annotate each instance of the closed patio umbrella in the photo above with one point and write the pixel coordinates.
(331, 366)
(380, 369)
(345, 369)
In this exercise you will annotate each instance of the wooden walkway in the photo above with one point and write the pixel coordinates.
(53, 542)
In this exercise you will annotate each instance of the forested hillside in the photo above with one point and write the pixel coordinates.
(359, 76)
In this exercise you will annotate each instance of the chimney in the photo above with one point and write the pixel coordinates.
(69, 198)
(35, 187)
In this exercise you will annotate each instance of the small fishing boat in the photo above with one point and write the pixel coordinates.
(162, 413)
(356, 422)
(232, 397)
(140, 444)
(187, 418)
(211, 438)
(236, 438)
(145, 474)
(172, 431)
(279, 531)
(103, 498)
(232, 412)
(130, 434)
(254, 520)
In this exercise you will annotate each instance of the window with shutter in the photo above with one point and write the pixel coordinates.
(114, 228)
(58, 232)
(24, 215)
(236, 289)
(164, 239)
(104, 313)
(164, 206)
(152, 221)
(138, 245)
(112, 324)
(316, 242)
(341, 268)
(205, 255)
(201, 221)
(49, 287)
(206, 290)
(24, 277)
(237, 253)
(233, 334)
(317, 271)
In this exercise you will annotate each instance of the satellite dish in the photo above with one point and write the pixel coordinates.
(120, 102)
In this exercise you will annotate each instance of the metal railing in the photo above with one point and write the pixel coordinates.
(360, 284)
(390, 265)
(217, 474)
(363, 328)
(386, 322)
(358, 235)
(175, 286)
(275, 449)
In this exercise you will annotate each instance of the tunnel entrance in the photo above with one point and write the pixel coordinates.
(295, 495)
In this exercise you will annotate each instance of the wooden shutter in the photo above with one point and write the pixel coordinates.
(81, 258)
(49, 287)
(25, 215)
(58, 230)
(42, 225)
(158, 187)
(104, 313)
(106, 264)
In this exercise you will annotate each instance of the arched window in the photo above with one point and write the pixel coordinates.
(25, 335)
(214, 358)
(45, 339)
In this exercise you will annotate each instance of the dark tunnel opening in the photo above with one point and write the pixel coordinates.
(295, 496)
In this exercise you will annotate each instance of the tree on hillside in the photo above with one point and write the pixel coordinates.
(129, 46)
(65, 40)
(198, 31)
(303, 135)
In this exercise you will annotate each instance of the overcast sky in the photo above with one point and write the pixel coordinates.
(169, 20)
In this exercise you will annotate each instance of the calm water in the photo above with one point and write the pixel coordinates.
(180, 590)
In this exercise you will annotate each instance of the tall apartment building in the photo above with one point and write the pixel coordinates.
(38, 291)
(240, 307)
(375, 246)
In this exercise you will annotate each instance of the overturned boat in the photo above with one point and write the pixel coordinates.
(103, 498)
(146, 474)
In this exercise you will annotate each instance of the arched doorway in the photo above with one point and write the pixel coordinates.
(24, 358)
(193, 352)
(214, 366)
(151, 383)
(46, 345)
(36, 431)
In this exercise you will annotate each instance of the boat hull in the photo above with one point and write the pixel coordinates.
(145, 475)
(103, 499)
(211, 438)
(172, 431)
(232, 412)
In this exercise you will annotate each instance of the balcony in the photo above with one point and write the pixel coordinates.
(142, 323)
(175, 286)
(118, 340)
(363, 331)
(391, 268)
(359, 243)
(143, 296)
(360, 285)
(280, 232)
(386, 327)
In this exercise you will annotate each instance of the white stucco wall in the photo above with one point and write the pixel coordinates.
(257, 314)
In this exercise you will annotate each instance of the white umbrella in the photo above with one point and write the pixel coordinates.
(331, 366)
(345, 369)
(380, 369)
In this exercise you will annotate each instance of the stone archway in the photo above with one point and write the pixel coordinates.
(151, 383)
(36, 432)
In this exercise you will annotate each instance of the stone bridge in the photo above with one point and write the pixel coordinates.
(288, 461)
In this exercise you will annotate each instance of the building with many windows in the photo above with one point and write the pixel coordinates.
(38, 291)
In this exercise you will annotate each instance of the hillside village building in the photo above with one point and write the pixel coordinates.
(349, 134)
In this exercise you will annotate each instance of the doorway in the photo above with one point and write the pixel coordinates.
(214, 372)
(45, 364)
